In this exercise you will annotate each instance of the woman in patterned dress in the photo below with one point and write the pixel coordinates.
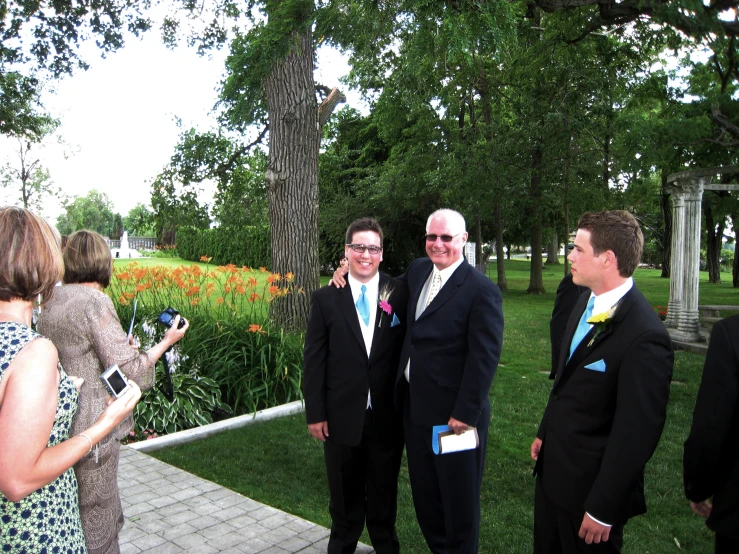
(82, 323)
(39, 511)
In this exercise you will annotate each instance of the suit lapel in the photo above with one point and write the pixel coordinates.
(349, 311)
(449, 289)
(379, 324)
(417, 288)
(566, 365)
(585, 347)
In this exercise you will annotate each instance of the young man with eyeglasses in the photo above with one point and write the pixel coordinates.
(352, 347)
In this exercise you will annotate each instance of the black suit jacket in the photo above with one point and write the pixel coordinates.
(601, 427)
(337, 374)
(454, 346)
(568, 293)
(711, 455)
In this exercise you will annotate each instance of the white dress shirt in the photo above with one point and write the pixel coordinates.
(372, 293)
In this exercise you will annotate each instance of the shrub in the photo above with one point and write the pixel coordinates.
(196, 399)
(230, 342)
(243, 246)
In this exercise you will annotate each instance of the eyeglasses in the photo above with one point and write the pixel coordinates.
(361, 248)
(444, 238)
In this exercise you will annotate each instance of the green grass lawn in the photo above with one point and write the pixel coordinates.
(277, 463)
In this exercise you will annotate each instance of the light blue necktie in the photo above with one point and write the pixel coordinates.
(363, 306)
(583, 327)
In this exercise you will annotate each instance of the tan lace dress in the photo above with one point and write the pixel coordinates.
(84, 327)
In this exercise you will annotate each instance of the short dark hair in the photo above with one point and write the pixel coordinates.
(87, 259)
(30, 257)
(618, 231)
(363, 224)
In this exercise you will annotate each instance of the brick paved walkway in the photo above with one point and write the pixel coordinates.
(170, 510)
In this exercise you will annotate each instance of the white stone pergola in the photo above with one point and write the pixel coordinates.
(687, 189)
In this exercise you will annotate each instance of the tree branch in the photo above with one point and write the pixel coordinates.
(327, 107)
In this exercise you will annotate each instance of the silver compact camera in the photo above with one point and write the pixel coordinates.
(115, 381)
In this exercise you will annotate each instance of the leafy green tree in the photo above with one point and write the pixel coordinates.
(45, 38)
(237, 169)
(93, 211)
(139, 221)
(21, 112)
(175, 208)
(270, 83)
(28, 178)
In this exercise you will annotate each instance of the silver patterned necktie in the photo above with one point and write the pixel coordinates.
(434, 287)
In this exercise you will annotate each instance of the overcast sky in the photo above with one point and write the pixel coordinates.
(118, 118)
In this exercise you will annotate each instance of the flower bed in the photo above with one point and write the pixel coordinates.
(232, 360)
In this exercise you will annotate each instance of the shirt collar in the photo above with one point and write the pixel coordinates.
(447, 272)
(372, 285)
(607, 300)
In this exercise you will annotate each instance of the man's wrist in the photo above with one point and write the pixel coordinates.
(598, 521)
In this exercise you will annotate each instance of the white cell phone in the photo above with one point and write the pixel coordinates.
(115, 381)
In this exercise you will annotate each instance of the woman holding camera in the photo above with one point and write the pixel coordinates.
(38, 490)
(82, 322)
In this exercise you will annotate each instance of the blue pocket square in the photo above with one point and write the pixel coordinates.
(395, 321)
(600, 365)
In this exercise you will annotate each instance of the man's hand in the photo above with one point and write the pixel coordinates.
(338, 278)
(319, 430)
(535, 449)
(457, 426)
(703, 509)
(592, 531)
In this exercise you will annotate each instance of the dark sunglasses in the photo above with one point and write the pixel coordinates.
(444, 238)
(360, 248)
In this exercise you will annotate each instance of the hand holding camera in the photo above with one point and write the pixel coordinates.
(177, 325)
(118, 408)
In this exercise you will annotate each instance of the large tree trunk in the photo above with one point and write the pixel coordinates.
(714, 236)
(553, 249)
(292, 178)
(536, 282)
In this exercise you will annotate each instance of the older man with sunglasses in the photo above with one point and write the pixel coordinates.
(449, 358)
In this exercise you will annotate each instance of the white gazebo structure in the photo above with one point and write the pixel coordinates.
(687, 189)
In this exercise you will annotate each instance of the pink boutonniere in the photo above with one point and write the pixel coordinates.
(383, 303)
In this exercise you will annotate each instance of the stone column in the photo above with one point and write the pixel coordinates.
(687, 316)
(677, 258)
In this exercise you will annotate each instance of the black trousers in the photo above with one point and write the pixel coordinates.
(556, 530)
(726, 545)
(446, 488)
(363, 486)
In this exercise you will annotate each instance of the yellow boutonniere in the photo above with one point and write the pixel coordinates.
(602, 320)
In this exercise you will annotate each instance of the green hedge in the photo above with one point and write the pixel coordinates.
(243, 246)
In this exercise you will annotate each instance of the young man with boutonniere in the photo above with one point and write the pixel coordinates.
(352, 348)
(608, 403)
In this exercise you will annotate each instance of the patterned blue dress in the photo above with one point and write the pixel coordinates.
(47, 520)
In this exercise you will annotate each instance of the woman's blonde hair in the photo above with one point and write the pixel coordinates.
(87, 259)
(30, 258)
